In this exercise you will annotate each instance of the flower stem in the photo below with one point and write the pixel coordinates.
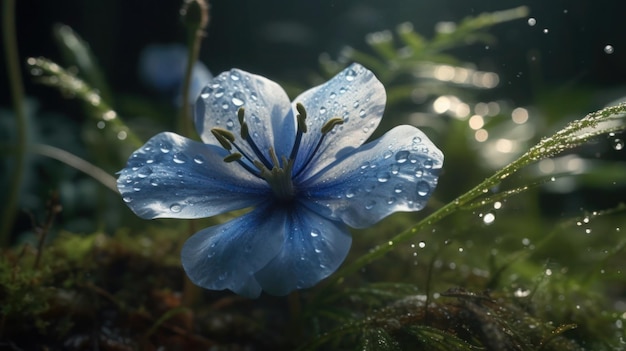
(195, 16)
(17, 95)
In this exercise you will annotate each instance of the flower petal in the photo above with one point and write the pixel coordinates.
(172, 176)
(228, 255)
(397, 172)
(268, 111)
(313, 248)
(356, 96)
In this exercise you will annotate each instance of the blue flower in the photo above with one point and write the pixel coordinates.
(302, 168)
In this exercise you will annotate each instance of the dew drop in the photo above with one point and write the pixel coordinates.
(366, 129)
(395, 169)
(234, 75)
(413, 158)
(397, 189)
(180, 158)
(356, 104)
(254, 97)
(618, 144)
(219, 93)
(370, 204)
(144, 172)
(350, 75)
(391, 200)
(387, 154)
(532, 21)
(315, 233)
(419, 173)
(238, 99)
(165, 147)
(362, 113)
(402, 156)
(333, 95)
(428, 164)
(545, 31)
(199, 159)
(230, 124)
(322, 110)
(153, 182)
(383, 177)
(365, 165)
(489, 218)
(176, 208)
(127, 199)
(350, 194)
(423, 189)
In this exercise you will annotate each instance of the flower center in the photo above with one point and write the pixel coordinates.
(277, 173)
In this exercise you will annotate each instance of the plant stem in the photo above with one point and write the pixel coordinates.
(17, 95)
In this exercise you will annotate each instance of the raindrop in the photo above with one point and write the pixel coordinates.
(489, 218)
(333, 95)
(532, 21)
(402, 156)
(180, 158)
(234, 75)
(362, 113)
(428, 164)
(322, 110)
(254, 97)
(417, 140)
(350, 194)
(199, 159)
(356, 104)
(366, 129)
(144, 172)
(383, 177)
(618, 144)
(391, 200)
(421, 244)
(370, 204)
(423, 188)
(153, 182)
(350, 75)
(545, 31)
(225, 105)
(419, 173)
(315, 233)
(218, 93)
(176, 208)
(609, 49)
(397, 189)
(165, 147)
(127, 199)
(387, 154)
(413, 158)
(238, 99)
(342, 90)
(230, 124)
(365, 165)
(395, 169)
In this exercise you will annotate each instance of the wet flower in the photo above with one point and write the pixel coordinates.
(302, 168)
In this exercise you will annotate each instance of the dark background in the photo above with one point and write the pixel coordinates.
(283, 39)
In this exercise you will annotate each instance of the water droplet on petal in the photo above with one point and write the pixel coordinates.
(176, 208)
(153, 182)
(428, 164)
(402, 156)
(387, 154)
(165, 147)
(362, 113)
(370, 204)
(423, 188)
(618, 144)
(144, 172)
(333, 95)
(180, 158)
(350, 194)
(356, 104)
(238, 99)
(383, 177)
(230, 124)
(322, 110)
(397, 189)
(199, 159)
(315, 233)
(127, 199)
(219, 92)
(419, 173)
(395, 169)
(350, 75)
(225, 105)
(417, 140)
(413, 158)
(235, 76)
(391, 200)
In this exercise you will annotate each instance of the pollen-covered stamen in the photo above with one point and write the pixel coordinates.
(302, 128)
(245, 135)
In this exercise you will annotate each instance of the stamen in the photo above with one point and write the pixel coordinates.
(302, 128)
(326, 128)
(233, 157)
(245, 135)
(330, 124)
(224, 137)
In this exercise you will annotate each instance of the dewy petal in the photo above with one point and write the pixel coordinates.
(313, 248)
(172, 176)
(267, 111)
(397, 172)
(228, 255)
(356, 96)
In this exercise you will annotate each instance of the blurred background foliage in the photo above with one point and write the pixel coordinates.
(538, 270)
